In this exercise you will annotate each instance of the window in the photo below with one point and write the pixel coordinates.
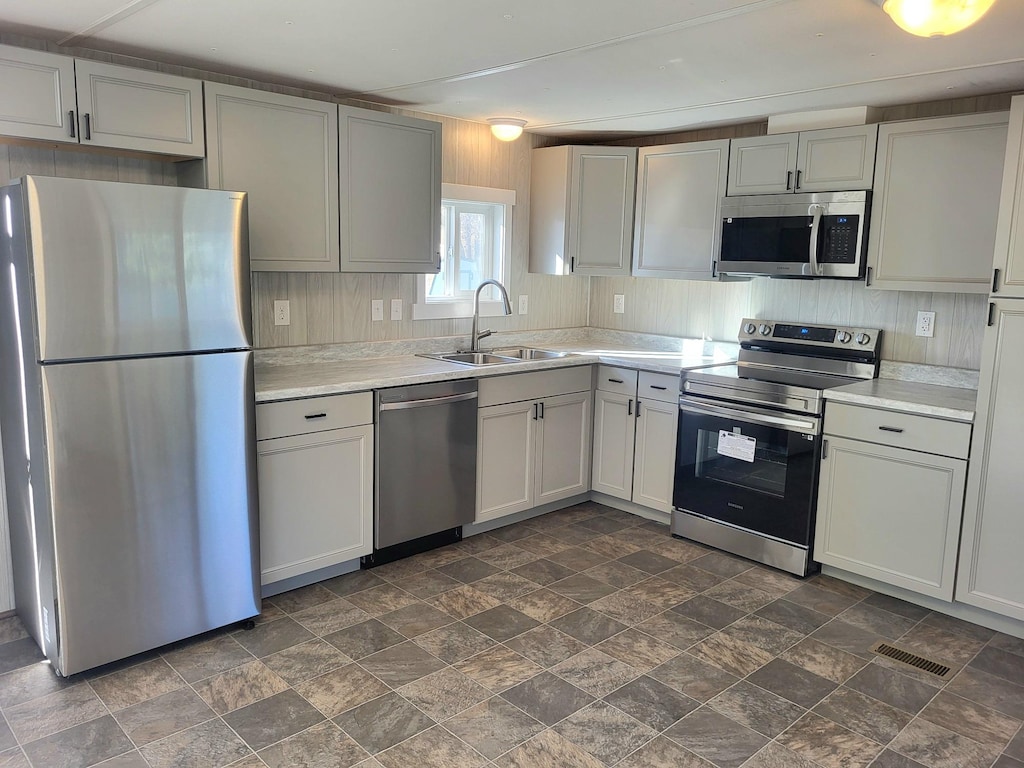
(476, 238)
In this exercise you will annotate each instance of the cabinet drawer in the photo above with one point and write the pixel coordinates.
(658, 386)
(902, 430)
(314, 414)
(515, 387)
(620, 380)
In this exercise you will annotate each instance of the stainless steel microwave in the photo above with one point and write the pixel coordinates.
(822, 234)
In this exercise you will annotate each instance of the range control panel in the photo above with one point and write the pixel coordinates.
(769, 332)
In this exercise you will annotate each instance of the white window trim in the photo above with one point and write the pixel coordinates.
(442, 310)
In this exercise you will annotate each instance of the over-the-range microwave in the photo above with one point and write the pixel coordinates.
(822, 234)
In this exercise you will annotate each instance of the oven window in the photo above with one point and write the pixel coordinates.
(765, 474)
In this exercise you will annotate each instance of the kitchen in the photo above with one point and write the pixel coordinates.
(336, 308)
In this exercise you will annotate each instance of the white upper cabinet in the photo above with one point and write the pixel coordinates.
(1008, 280)
(934, 211)
(37, 95)
(827, 160)
(390, 170)
(581, 210)
(283, 151)
(678, 209)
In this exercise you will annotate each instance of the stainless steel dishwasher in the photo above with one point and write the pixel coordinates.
(425, 467)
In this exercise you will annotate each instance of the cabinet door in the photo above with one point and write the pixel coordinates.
(614, 433)
(140, 110)
(37, 95)
(655, 463)
(836, 159)
(1009, 258)
(316, 501)
(390, 171)
(601, 197)
(991, 574)
(563, 447)
(506, 443)
(890, 514)
(933, 215)
(283, 151)
(762, 164)
(678, 209)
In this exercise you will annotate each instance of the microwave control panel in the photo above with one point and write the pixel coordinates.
(840, 239)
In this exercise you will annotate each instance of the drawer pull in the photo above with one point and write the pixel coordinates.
(616, 381)
(660, 389)
(891, 429)
(311, 416)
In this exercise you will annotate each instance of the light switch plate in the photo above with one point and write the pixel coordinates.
(524, 304)
(282, 313)
(619, 303)
(925, 324)
(396, 309)
(376, 310)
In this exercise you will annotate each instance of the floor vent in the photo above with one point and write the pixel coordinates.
(936, 668)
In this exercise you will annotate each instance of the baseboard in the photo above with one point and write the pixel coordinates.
(305, 579)
(634, 509)
(517, 517)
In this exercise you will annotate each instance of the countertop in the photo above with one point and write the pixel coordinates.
(953, 403)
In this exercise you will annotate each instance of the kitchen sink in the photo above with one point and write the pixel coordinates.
(475, 358)
(528, 353)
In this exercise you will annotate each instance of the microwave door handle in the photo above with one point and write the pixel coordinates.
(814, 211)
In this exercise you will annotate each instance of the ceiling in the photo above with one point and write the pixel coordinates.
(568, 67)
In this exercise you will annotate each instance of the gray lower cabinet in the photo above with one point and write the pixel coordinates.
(1008, 280)
(991, 574)
(890, 497)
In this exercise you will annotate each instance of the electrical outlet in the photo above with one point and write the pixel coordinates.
(926, 324)
(396, 309)
(282, 313)
(619, 303)
(376, 310)
(524, 304)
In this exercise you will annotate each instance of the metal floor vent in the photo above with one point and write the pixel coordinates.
(902, 656)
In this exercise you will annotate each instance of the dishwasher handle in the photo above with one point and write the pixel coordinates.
(406, 404)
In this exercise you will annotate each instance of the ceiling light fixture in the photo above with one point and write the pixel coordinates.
(935, 18)
(506, 128)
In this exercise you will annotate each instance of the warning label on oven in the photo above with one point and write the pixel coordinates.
(736, 446)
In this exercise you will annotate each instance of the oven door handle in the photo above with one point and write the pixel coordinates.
(788, 423)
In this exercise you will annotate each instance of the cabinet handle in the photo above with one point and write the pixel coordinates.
(536, 411)
(991, 314)
(798, 174)
(312, 416)
(616, 381)
(897, 430)
(541, 409)
(638, 409)
(438, 261)
(660, 389)
(867, 281)
(789, 180)
(88, 127)
(572, 264)
(995, 280)
(824, 449)
(629, 408)
(71, 122)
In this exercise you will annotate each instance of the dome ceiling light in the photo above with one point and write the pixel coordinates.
(506, 128)
(935, 18)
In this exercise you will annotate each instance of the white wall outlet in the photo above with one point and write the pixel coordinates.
(926, 324)
(282, 313)
(619, 303)
(396, 309)
(524, 304)
(376, 310)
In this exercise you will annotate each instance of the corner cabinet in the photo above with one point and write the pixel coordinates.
(581, 210)
(390, 192)
(679, 194)
(1008, 280)
(935, 204)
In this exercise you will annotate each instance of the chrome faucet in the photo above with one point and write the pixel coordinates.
(474, 341)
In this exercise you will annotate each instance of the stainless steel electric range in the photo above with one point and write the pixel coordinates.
(748, 453)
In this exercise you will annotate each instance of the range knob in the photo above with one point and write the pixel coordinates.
(863, 338)
(749, 329)
(765, 329)
(845, 337)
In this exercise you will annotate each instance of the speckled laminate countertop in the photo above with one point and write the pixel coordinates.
(953, 403)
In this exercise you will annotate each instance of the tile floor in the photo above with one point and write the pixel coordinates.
(584, 638)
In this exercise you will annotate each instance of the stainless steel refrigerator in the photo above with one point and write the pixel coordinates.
(128, 414)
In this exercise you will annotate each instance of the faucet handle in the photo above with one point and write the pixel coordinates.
(484, 334)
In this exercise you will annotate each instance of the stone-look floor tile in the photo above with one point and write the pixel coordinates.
(757, 709)
(507, 556)
(678, 550)
(950, 647)
(11, 629)
(792, 682)
(574, 535)
(715, 737)
(692, 578)
(937, 747)
(134, 759)
(19, 653)
(1005, 761)
(463, 602)
(435, 558)
(380, 600)
(240, 687)
(268, 612)
(202, 660)
(435, 748)
(774, 582)
(504, 586)
(649, 562)
(639, 650)
(383, 722)
(472, 545)
(605, 525)
(543, 571)
(547, 698)
(15, 758)
(794, 616)
(308, 660)
(493, 727)
(821, 600)
(273, 636)
(675, 629)
(617, 574)
(546, 645)
(468, 569)
(445, 693)
(847, 637)
(541, 544)
(341, 689)
(350, 583)
(626, 608)
(613, 546)
(303, 598)
(697, 679)
(364, 639)
(331, 616)
(29, 683)
(271, 720)
(1007, 643)
(401, 664)
(163, 715)
(544, 605)
(595, 672)
(54, 712)
(722, 564)
(829, 744)
(582, 588)
(897, 606)
(824, 660)
(211, 744)
(135, 684)
(454, 642)
(498, 668)
(839, 586)
(895, 689)
(427, 584)
(660, 592)
(548, 750)
(777, 756)
(740, 595)
(734, 656)
(882, 623)
(501, 623)
(762, 633)
(416, 619)
(588, 626)
(985, 689)
(322, 746)
(994, 661)
(652, 703)
(890, 759)
(959, 627)
(85, 744)
(605, 732)
(579, 559)
(709, 611)
(514, 532)
(863, 714)
(7, 738)
(1015, 748)
(984, 725)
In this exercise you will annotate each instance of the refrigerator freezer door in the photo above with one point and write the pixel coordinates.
(131, 269)
(155, 522)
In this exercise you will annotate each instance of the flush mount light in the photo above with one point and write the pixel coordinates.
(935, 18)
(506, 128)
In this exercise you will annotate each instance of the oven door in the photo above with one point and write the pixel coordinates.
(747, 467)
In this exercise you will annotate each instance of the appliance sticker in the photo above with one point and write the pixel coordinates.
(736, 446)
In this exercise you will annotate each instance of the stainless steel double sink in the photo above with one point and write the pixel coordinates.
(498, 356)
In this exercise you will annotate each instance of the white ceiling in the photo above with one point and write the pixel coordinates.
(568, 67)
